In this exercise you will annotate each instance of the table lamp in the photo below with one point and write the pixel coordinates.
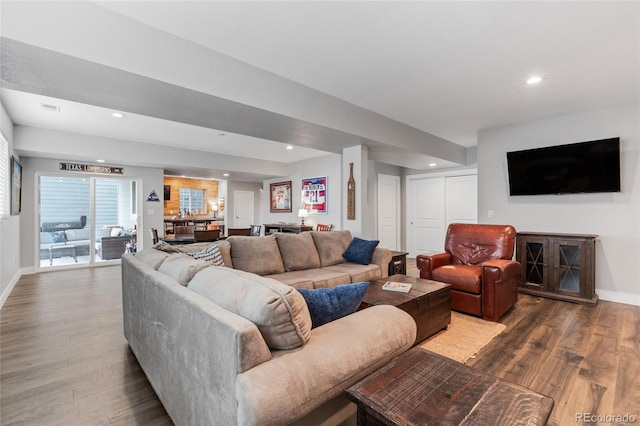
(214, 209)
(302, 213)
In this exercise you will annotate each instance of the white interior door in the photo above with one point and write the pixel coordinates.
(425, 215)
(243, 210)
(389, 211)
(461, 199)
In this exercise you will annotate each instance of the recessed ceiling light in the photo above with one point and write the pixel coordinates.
(221, 134)
(100, 161)
(225, 174)
(117, 114)
(432, 164)
(289, 147)
(534, 79)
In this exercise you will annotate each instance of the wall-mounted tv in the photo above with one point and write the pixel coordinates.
(167, 192)
(582, 167)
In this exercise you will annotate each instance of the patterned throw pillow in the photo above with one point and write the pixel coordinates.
(210, 255)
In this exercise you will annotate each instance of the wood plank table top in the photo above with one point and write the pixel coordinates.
(423, 388)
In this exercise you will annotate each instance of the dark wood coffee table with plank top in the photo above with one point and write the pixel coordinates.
(423, 388)
(428, 302)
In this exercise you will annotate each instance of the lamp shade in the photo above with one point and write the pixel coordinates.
(303, 213)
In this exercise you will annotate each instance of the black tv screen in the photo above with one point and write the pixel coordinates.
(167, 192)
(583, 167)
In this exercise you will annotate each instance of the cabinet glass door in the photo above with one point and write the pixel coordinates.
(568, 267)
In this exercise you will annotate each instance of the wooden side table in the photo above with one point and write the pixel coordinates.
(398, 264)
(428, 302)
(423, 388)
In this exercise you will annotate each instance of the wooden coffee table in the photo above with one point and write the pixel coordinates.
(428, 302)
(423, 388)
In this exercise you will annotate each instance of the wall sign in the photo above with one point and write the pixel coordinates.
(351, 195)
(91, 168)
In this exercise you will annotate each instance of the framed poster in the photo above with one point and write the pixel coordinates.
(16, 186)
(314, 194)
(280, 197)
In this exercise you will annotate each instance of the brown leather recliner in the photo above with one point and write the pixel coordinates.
(478, 265)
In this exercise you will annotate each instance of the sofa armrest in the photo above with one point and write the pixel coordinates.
(426, 263)
(338, 355)
(382, 256)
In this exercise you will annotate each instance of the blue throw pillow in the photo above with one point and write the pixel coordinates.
(360, 251)
(58, 237)
(328, 304)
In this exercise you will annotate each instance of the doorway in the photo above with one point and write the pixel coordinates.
(435, 202)
(243, 209)
(389, 211)
(85, 220)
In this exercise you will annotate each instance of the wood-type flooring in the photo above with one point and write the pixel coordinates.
(64, 359)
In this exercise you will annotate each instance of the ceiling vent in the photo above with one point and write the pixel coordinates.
(50, 108)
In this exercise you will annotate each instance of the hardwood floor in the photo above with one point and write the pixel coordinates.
(63, 356)
(586, 358)
(65, 361)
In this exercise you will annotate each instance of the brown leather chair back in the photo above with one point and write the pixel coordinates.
(472, 244)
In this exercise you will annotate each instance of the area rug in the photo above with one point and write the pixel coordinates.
(464, 337)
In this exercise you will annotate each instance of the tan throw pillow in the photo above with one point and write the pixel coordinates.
(278, 310)
(181, 267)
(331, 246)
(259, 255)
(298, 251)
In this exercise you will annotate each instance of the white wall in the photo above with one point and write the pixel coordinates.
(613, 216)
(9, 228)
(329, 166)
(151, 214)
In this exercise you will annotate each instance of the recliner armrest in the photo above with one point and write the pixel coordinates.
(427, 263)
(507, 268)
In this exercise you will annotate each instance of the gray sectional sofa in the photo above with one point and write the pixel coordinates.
(306, 260)
(225, 346)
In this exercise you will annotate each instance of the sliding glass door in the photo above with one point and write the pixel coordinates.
(85, 219)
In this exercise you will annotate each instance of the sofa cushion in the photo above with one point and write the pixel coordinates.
(278, 310)
(223, 246)
(181, 267)
(259, 255)
(210, 254)
(298, 251)
(356, 272)
(329, 304)
(151, 257)
(461, 277)
(101, 233)
(360, 251)
(331, 246)
(78, 234)
(317, 277)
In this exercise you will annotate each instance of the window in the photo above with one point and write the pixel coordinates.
(4, 179)
(191, 200)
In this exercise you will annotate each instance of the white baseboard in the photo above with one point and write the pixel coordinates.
(614, 296)
(9, 289)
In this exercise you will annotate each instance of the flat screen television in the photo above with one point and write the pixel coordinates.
(167, 192)
(582, 167)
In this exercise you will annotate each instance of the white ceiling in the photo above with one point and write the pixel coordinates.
(446, 68)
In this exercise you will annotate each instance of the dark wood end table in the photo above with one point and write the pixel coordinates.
(423, 388)
(398, 264)
(428, 302)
